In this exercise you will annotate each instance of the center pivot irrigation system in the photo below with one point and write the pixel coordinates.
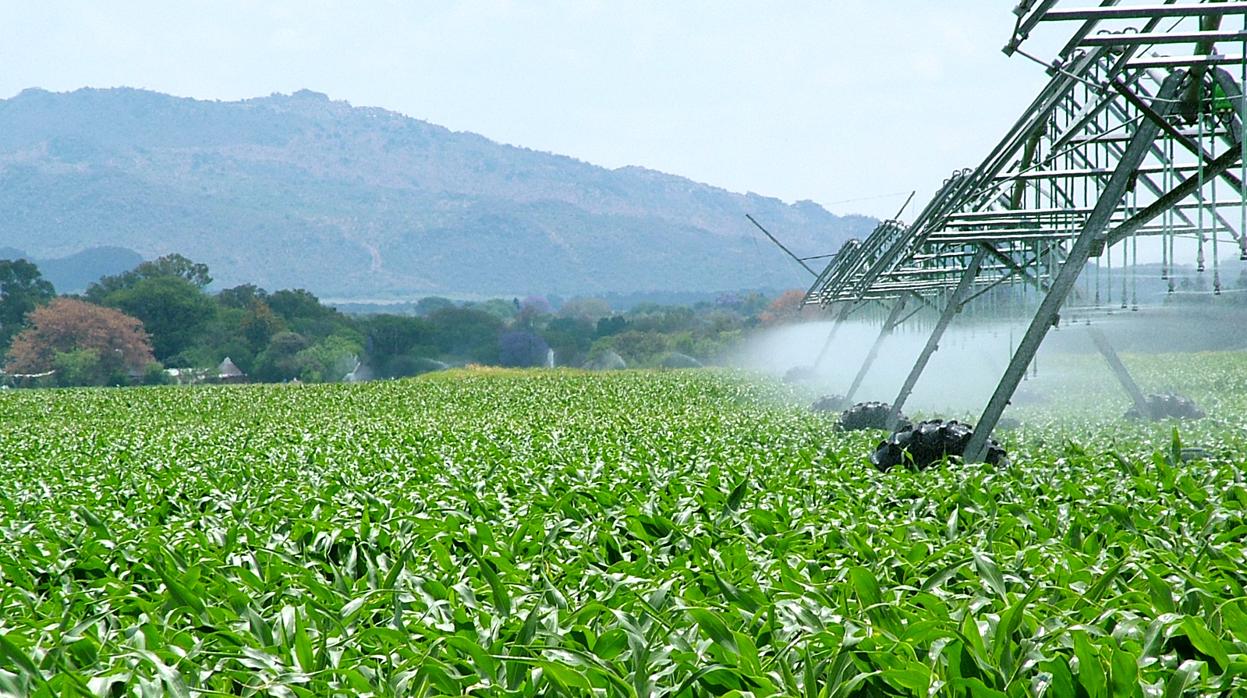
(1135, 135)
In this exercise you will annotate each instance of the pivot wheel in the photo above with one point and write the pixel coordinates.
(828, 403)
(921, 445)
(1171, 406)
(868, 415)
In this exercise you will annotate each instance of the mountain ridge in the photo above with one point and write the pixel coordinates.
(73, 273)
(302, 190)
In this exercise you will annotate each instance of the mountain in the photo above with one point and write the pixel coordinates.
(302, 191)
(72, 274)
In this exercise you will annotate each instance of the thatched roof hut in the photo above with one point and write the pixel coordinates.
(228, 372)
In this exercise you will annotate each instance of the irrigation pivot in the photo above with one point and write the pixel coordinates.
(1137, 134)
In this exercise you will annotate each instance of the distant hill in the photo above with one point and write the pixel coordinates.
(72, 274)
(349, 202)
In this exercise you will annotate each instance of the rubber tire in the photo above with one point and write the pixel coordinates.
(828, 403)
(921, 445)
(800, 374)
(1169, 406)
(868, 415)
(1008, 424)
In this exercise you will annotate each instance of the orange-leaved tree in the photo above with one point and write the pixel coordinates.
(67, 326)
(787, 307)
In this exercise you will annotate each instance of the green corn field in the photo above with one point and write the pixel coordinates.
(678, 533)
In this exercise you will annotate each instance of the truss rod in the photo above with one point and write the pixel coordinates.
(1090, 172)
(1184, 61)
(1131, 38)
(1145, 11)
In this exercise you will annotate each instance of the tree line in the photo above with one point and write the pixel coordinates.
(128, 328)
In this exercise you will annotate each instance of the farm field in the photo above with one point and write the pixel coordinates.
(680, 533)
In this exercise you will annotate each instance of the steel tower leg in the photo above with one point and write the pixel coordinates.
(1119, 370)
(888, 325)
(831, 334)
(933, 342)
(1080, 252)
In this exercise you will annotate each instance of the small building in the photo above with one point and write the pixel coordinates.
(228, 372)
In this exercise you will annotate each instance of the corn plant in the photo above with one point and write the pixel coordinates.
(636, 534)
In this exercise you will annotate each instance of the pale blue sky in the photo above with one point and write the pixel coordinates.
(829, 100)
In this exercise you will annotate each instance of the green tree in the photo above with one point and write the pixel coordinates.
(303, 313)
(498, 307)
(84, 367)
(259, 325)
(639, 348)
(221, 337)
(585, 308)
(241, 297)
(22, 289)
(280, 360)
(179, 266)
(430, 304)
(387, 337)
(174, 311)
(173, 265)
(467, 333)
(570, 338)
(296, 304)
(327, 360)
(660, 318)
(607, 326)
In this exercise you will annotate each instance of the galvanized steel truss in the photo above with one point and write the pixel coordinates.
(1137, 131)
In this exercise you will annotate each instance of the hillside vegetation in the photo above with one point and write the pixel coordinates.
(300, 191)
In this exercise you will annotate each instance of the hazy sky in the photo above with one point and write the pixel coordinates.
(832, 100)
